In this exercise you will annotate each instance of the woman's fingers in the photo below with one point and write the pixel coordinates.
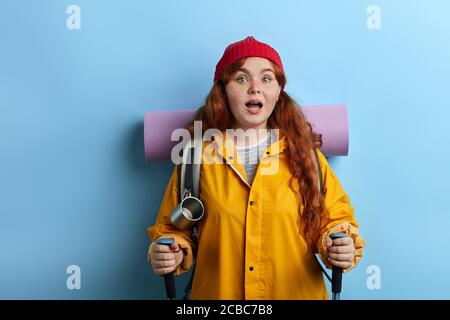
(164, 256)
(161, 248)
(163, 271)
(163, 253)
(164, 259)
(346, 257)
(163, 264)
(340, 264)
(346, 241)
(163, 267)
(342, 245)
(342, 252)
(341, 249)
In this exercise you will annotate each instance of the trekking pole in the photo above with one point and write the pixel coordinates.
(336, 275)
(169, 279)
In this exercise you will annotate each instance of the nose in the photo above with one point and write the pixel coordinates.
(254, 87)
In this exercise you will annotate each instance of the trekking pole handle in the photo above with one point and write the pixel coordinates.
(336, 276)
(169, 279)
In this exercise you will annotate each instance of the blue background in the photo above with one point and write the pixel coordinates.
(75, 188)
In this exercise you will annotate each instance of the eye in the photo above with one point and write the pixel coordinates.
(241, 79)
(267, 78)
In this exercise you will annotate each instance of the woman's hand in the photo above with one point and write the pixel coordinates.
(165, 259)
(341, 252)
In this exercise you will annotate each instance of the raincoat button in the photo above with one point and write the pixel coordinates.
(267, 152)
(213, 138)
(252, 203)
(251, 268)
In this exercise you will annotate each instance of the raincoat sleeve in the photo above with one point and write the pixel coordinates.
(340, 216)
(163, 227)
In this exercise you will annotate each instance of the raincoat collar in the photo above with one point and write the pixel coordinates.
(226, 150)
(225, 147)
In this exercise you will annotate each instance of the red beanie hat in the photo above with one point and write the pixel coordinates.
(249, 47)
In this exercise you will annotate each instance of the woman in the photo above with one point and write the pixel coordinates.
(265, 219)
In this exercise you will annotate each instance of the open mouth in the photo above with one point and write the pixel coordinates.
(256, 104)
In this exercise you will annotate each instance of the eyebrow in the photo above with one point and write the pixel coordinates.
(262, 71)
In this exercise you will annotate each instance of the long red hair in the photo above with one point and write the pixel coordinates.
(300, 141)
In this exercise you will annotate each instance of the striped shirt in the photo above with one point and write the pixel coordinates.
(250, 155)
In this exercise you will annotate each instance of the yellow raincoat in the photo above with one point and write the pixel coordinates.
(250, 246)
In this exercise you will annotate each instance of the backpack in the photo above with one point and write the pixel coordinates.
(189, 181)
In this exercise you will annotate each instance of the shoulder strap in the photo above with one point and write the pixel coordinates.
(322, 191)
(189, 180)
(189, 169)
(319, 171)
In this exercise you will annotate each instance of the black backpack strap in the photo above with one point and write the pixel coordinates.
(182, 172)
(322, 191)
(189, 169)
(188, 174)
(189, 179)
(180, 191)
(319, 171)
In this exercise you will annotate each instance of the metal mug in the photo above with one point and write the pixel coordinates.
(187, 212)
